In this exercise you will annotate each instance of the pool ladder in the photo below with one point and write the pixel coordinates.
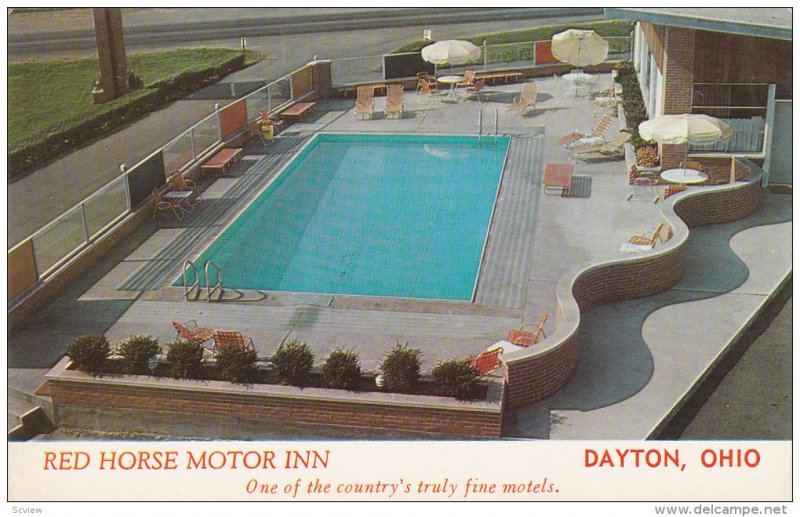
(210, 290)
(480, 124)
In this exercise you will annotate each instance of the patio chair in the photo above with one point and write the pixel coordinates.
(266, 119)
(671, 190)
(602, 125)
(428, 89)
(229, 338)
(192, 335)
(475, 89)
(662, 234)
(646, 183)
(254, 129)
(162, 205)
(365, 102)
(526, 100)
(469, 78)
(612, 149)
(522, 337)
(424, 75)
(487, 361)
(394, 101)
(178, 182)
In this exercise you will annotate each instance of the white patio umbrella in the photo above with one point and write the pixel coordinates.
(684, 128)
(453, 51)
(579, 47)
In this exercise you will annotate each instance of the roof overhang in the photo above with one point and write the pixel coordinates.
(759, 22)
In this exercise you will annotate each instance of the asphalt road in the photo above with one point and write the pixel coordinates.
(65, 182)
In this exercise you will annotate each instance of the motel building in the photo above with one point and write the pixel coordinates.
(733, 64)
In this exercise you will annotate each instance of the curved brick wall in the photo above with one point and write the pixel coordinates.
(535, 374)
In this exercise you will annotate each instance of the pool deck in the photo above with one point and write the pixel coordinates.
(637, 358)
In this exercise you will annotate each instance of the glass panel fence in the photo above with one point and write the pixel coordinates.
(59, 239)
(280, 92)
(255, 103)
(205, 134)
(105, 206)
(178, 153)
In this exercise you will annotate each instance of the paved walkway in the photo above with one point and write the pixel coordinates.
(638, 358)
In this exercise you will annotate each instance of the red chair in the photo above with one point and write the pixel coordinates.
(193, 335)
(474, 89)
(486, 361)
(522, 337)
(227, 338)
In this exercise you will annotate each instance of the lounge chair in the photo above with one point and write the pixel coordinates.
(192, 335)
(162, 205)
(557, 178)
(228, 338)
(522, 337)
(365, 102)
(394, 101)
(611, 149)
(602, 125)
(475, 88)
(487, 361)
(526, 100)
(662, 234)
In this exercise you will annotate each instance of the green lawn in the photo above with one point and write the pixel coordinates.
(611, 29)
(48, 96)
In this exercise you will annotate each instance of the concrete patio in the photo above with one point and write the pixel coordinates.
(637, 358)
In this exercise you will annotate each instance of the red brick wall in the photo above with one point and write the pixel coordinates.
(538, 377)
(303, 410)
(654, 35)
(678, 78)
(725, 205)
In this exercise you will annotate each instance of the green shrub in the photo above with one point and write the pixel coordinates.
(136, 352)
(237, 364)
(185, 359)
(401, 368)
(89, 353)
(135, 81)
(456, 378)
(292, 362)
(341, 370)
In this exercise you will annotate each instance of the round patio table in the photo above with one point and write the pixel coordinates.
(687, 176)
(579, 83)
(453, 81)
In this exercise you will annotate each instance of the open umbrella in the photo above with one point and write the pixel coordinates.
(453, 51)
(579, 47)
(684, 128)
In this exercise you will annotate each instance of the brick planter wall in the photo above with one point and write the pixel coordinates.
(537, 373)
(412, 416)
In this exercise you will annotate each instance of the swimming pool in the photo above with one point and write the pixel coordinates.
(376, 215)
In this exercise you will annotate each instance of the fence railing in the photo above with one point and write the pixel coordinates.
(348, 71)
(747, 136)
(44, 251)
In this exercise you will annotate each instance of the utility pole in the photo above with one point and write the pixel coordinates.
(111, 54)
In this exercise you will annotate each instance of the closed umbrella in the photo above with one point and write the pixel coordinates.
(684, 128)
(579, 47)
(455, 52)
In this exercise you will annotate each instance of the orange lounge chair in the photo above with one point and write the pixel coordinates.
(662, 234)
(526, 99)
(427, 88)
(611, 149)
(229, 338)
(602, 125)
(394, 101)
(193, 335)
(522, 337)
(486, 361)
(365, 102)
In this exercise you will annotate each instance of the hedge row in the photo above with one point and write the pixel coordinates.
(155, 96)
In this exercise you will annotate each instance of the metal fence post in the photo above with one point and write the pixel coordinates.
(85, 223)
(128, 204)
(219, 122)
(485, 56)
(191, 141)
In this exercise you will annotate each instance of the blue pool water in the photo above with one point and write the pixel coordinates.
(380, 215)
